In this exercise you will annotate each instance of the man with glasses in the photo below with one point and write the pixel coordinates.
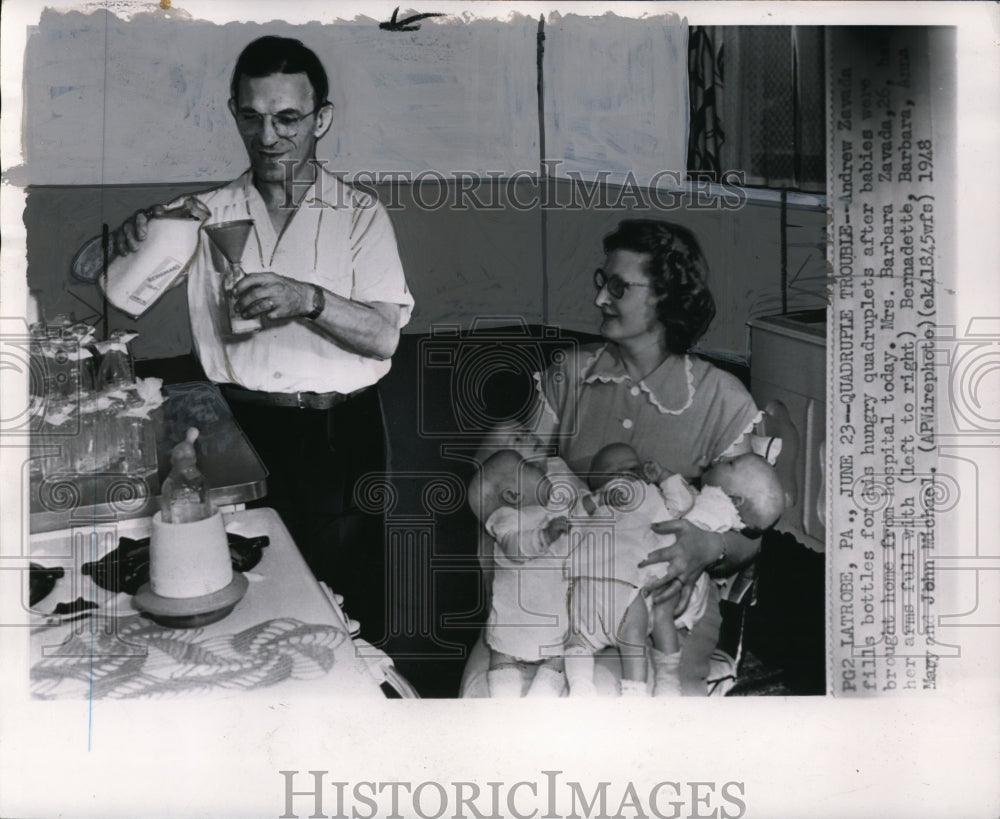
(326, 280)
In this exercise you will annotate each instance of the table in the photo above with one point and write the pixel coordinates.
(294, 639)
(227, 460)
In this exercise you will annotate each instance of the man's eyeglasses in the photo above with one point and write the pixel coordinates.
(285, 124)
(616, 284)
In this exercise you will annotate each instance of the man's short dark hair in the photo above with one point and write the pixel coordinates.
(280, 55)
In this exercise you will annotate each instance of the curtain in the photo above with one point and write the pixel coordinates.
(758, 104)
(705, 76)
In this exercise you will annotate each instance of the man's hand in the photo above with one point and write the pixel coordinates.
(273, 296)
(130, 236)
(690, 555)
(370, 329)
(132, 233)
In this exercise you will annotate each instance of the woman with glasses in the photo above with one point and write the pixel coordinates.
(642, 387)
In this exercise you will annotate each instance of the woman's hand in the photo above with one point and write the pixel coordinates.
(690, 555)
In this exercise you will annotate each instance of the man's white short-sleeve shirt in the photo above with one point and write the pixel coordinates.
(338, 238)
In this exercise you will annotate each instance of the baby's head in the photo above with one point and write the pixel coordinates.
(614, 460)
(753, 485)
(512, 435)
(508, 479)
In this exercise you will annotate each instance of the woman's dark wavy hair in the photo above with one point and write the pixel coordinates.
(678, 273)
(281, 55)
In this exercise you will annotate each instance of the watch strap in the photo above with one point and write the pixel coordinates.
(319, 302)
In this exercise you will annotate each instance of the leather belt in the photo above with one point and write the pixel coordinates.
(295, 400)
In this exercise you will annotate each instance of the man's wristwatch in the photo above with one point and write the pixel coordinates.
(318, 303)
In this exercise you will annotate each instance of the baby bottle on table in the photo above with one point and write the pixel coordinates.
(188, 553)
(185, 493)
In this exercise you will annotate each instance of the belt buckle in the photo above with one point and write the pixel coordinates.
(299, 402)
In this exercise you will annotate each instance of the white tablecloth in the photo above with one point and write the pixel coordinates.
(285, 636)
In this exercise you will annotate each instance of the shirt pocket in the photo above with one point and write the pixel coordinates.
(326, 260)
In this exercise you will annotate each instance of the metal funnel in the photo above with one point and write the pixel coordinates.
(230, 238)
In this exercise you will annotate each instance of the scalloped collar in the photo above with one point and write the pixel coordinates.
(606, 366)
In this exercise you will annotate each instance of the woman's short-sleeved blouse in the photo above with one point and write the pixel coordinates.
(683, 415)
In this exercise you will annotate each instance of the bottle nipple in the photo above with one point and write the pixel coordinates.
(183, 453)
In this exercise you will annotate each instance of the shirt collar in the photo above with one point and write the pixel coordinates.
(674, 377)
(335, 192)
(267, 239)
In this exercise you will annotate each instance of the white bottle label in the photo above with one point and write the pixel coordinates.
(159, 280)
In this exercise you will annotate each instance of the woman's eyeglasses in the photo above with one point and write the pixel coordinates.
(285, 124)
(616, 284)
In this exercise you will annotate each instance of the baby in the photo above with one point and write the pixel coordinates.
(606, 601)
(528, 620)
(513, 435)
